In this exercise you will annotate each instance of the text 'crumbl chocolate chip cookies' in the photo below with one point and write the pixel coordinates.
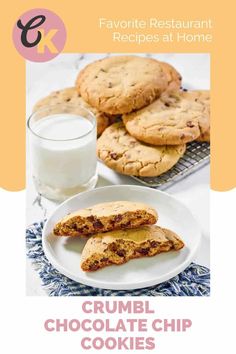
(71, 95)
(106, 217)
(121, 84)
(174, 118)
(125, 154)
(119, 247)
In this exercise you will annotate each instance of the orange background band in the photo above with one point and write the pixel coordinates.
(84, 35)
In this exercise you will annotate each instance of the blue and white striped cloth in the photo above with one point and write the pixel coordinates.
(193, 281)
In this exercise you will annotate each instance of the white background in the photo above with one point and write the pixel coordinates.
(42, 78)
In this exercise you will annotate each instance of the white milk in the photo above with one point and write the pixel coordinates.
(65, 163)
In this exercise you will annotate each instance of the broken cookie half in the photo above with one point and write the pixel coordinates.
(105, 217)
(118, 247)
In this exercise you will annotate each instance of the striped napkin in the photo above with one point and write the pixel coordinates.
(193, 281)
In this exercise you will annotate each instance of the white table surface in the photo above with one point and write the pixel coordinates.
(194, 190)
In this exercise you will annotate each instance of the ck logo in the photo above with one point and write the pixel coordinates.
(39, 35)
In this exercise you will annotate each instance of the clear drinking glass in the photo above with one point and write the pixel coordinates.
(63, 150)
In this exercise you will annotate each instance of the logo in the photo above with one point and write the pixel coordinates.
(39, 35)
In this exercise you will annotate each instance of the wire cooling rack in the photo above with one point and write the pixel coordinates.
(196, 156)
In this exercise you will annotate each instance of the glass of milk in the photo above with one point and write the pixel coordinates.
(63, 150)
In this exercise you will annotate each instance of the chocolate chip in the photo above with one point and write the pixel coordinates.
(190, 124)
(109, 85)
(114, 156)
(167, 104)
(103, 70)
(97, 224)
(185, 90)
(149, 221)
(104, 259)
(93, 266)
(143, 250)
(117, 218)
(121, 253)
(133, 143)
(125, 224)
(68, 100)
(154, 244)
(91, 218)
(80, 229)
(182, 136)
(113, 247)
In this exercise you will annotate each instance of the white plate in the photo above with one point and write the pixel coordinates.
(64, 253)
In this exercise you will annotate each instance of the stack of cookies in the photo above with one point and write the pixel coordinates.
(156, 118)
(117, 232)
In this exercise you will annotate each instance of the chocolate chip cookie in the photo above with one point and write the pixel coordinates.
(174, 118)
(119, 247)
(122, 84)
(125, 154)
(106, 217)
